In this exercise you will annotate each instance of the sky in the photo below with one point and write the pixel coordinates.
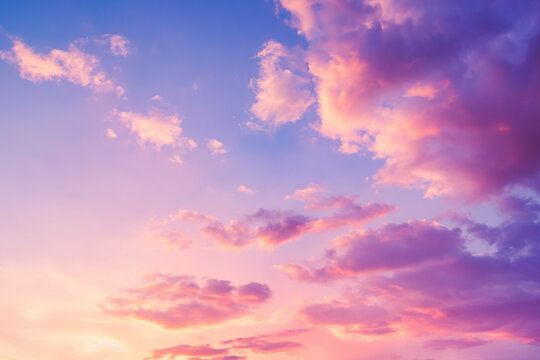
(270, 180)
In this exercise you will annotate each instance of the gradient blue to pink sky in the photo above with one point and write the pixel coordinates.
(270, 180)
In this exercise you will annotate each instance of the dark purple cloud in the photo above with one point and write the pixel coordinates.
(446, 92)
(424, 278)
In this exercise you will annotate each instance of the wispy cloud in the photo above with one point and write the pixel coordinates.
(72, 65)
(244, 189)
(271, 228)
(119, 45)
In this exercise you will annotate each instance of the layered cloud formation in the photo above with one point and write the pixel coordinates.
(421, 276)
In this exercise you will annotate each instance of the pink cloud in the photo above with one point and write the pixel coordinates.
(246, 190)
(353, 316)
(263, 344)
(281, 90)
(156, 128)
(422, 278)
(215, 146)
(119, 45)
(111, 134)
(185, 350)
(271, 228)
(455, 343)
(391, 247)
(270, 343)
(311, 193)
(73, 65)
(175, 302)
(446, 109)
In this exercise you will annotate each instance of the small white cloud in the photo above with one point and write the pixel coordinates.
(121, 92)
(176, 159)
(216, 146)
(111, 134)
(157, 97)
(244, 189)
(118, 45)
(156, 128)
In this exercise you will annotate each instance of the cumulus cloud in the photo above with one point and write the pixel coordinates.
(436, 90)
(282, 91)
(176, 302)
(156, 128)
(270, 228)
(215, 146)
(73, 65)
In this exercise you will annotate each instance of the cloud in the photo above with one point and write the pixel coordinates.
(310, 193)
(176, 302)
(421, 276)
(244, 189)
(270, 343)
(391, 247)
(73, 65)
(263, 344)
(437, 91)
(270, 228)
(353, 316)
(156, 128)
(157, 97)
(282, 91)
(119, 45)
(111, 134)
(171, 236)
(456, 343)
(186, 350)
(215, 146)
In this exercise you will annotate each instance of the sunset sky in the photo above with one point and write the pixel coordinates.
(270, 180)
